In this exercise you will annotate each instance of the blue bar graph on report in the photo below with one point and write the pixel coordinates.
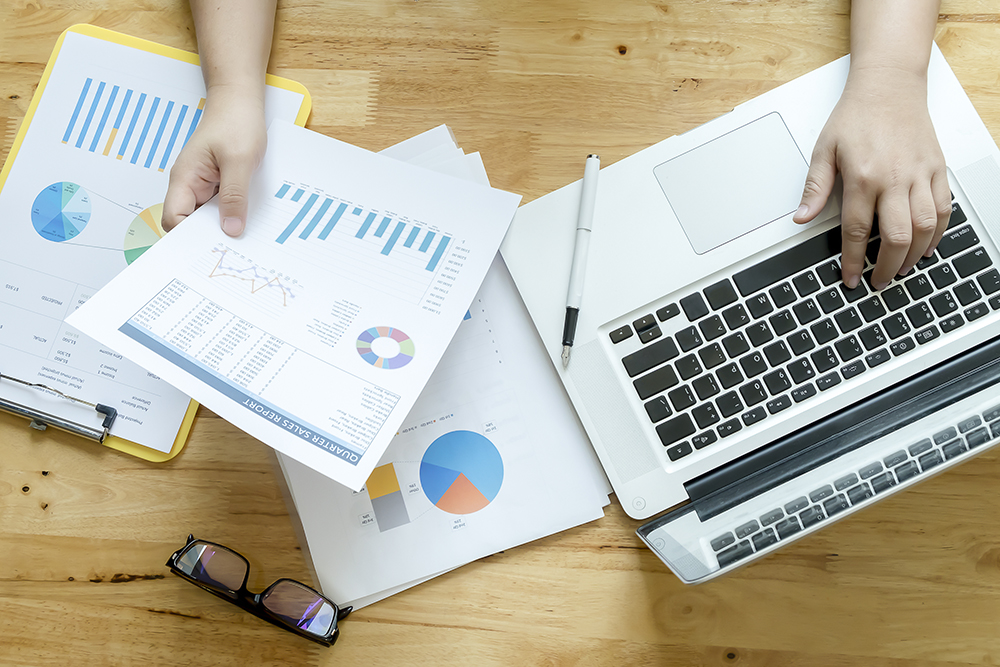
(104, 108)
(394, 235)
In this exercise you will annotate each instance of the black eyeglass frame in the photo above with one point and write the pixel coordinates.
(251, 602)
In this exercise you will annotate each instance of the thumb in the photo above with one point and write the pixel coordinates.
(819, 184)
(234, 185)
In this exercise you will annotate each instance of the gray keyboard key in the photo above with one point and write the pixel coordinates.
(733, 554)
(844, 482)
(788, 527)
(907, 470)
(920, 447)
(723, 541)
(977, 437)
(811, 515)
(747, 528)
(821, 493)
(859, 493)
(930, 459)
(883, 482)
(894, 460)
(945, 436)
(764, 539)
(836, 504)
(771, 517)
(870, 470)
(953, 449)
(796, 505)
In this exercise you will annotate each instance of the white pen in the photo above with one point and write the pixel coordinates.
(584, 222)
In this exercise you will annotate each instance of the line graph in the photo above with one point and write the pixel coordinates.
(267, 288)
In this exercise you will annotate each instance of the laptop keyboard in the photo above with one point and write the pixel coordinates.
(854, 488)
(781, 332)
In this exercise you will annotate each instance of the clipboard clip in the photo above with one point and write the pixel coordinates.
(42, 420)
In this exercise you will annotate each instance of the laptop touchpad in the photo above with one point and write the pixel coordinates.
(735, 183)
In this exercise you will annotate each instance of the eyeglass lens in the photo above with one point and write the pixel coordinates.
(300, 607)
(218, 568)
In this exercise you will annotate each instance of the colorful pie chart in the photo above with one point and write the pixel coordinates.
(143, 232)
(461, 472)
(60, 211)
(385, 337)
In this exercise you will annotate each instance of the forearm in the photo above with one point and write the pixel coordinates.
(234, 42)
(893, 35)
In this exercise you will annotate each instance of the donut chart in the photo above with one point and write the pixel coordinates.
(143, 232)
(461, 472)
(61, 211)
(373, 335)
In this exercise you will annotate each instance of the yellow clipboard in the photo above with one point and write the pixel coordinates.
(41, 419)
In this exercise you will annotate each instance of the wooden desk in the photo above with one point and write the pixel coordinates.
(534, 85)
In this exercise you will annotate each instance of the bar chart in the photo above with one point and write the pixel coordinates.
(130, 125)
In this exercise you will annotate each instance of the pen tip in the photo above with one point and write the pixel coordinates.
(565, 355)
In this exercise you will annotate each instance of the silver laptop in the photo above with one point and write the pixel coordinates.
(738, 395)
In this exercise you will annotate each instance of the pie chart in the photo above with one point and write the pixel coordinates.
(143, 232)
(60, 211)
(461, 472)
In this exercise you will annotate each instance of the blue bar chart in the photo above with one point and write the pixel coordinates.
(127, 124)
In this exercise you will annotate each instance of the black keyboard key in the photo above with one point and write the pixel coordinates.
(736, 316)
(894, 297)
(706, 415)
(733, 554)
(712, 355)
(764, 539)
(995, 302)
(618, 335)
(951, 323)
(855, 294)
(811, 515)
(942, 275)
(918, 448)
(930, 459)
(925, 262)
(644, 322)
(720, 294)
(845, 482)
(906, 471)
(801, 370)
(902, 346)
(736, 344)
(824, 331)
(896, 326)
(759, 333)
(650, 335)
(821, 493)
(848, 348)
(871, 309)
(829, 272)
(877, 358)
(943, 304)
(676, 452)
(953, 449)
(788, 527)
(872, 337)
(650, 356)
(674, 430)
(688, 339)
(800, 394)
(870, 469)
(957, 215)
(836, 505)
(668, 311)
(975, 312)
(955, 241)
(753, 393)
(681, 398)
(796, 505)
(729, 404)
(782, 322)
(978, 437)
(806, 283)
(753, 364)
(801, 342)
(730, 427)
(782, 295)
(989, 281)
(782, 403)
(970, 423)
(788, 263)
(883, 482)
(688, 367)
(806, 312)
(944, 436)
(927, 335)
(919, 315)
(772, 516)
(656, 382)
(828, 381)
(852, 369)
(712, 327)
(824, 359)
(705, 439)
(658, 409)
(706, 386)
(848, 320)
(729, 376)
(967, 292)
(859, 494)
(759, 305)
(747, 529)
(895, 459)
(694, 307)
(992, 413)
(919, 286)
(723, 541)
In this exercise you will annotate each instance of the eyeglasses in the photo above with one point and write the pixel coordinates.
(286, 603)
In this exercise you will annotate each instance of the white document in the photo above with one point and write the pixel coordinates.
(83, 200)
(316, 330)
(490, 457)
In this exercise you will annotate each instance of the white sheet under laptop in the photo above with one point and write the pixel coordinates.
(685, 215)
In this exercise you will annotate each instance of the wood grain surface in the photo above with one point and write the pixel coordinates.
(534, 85)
